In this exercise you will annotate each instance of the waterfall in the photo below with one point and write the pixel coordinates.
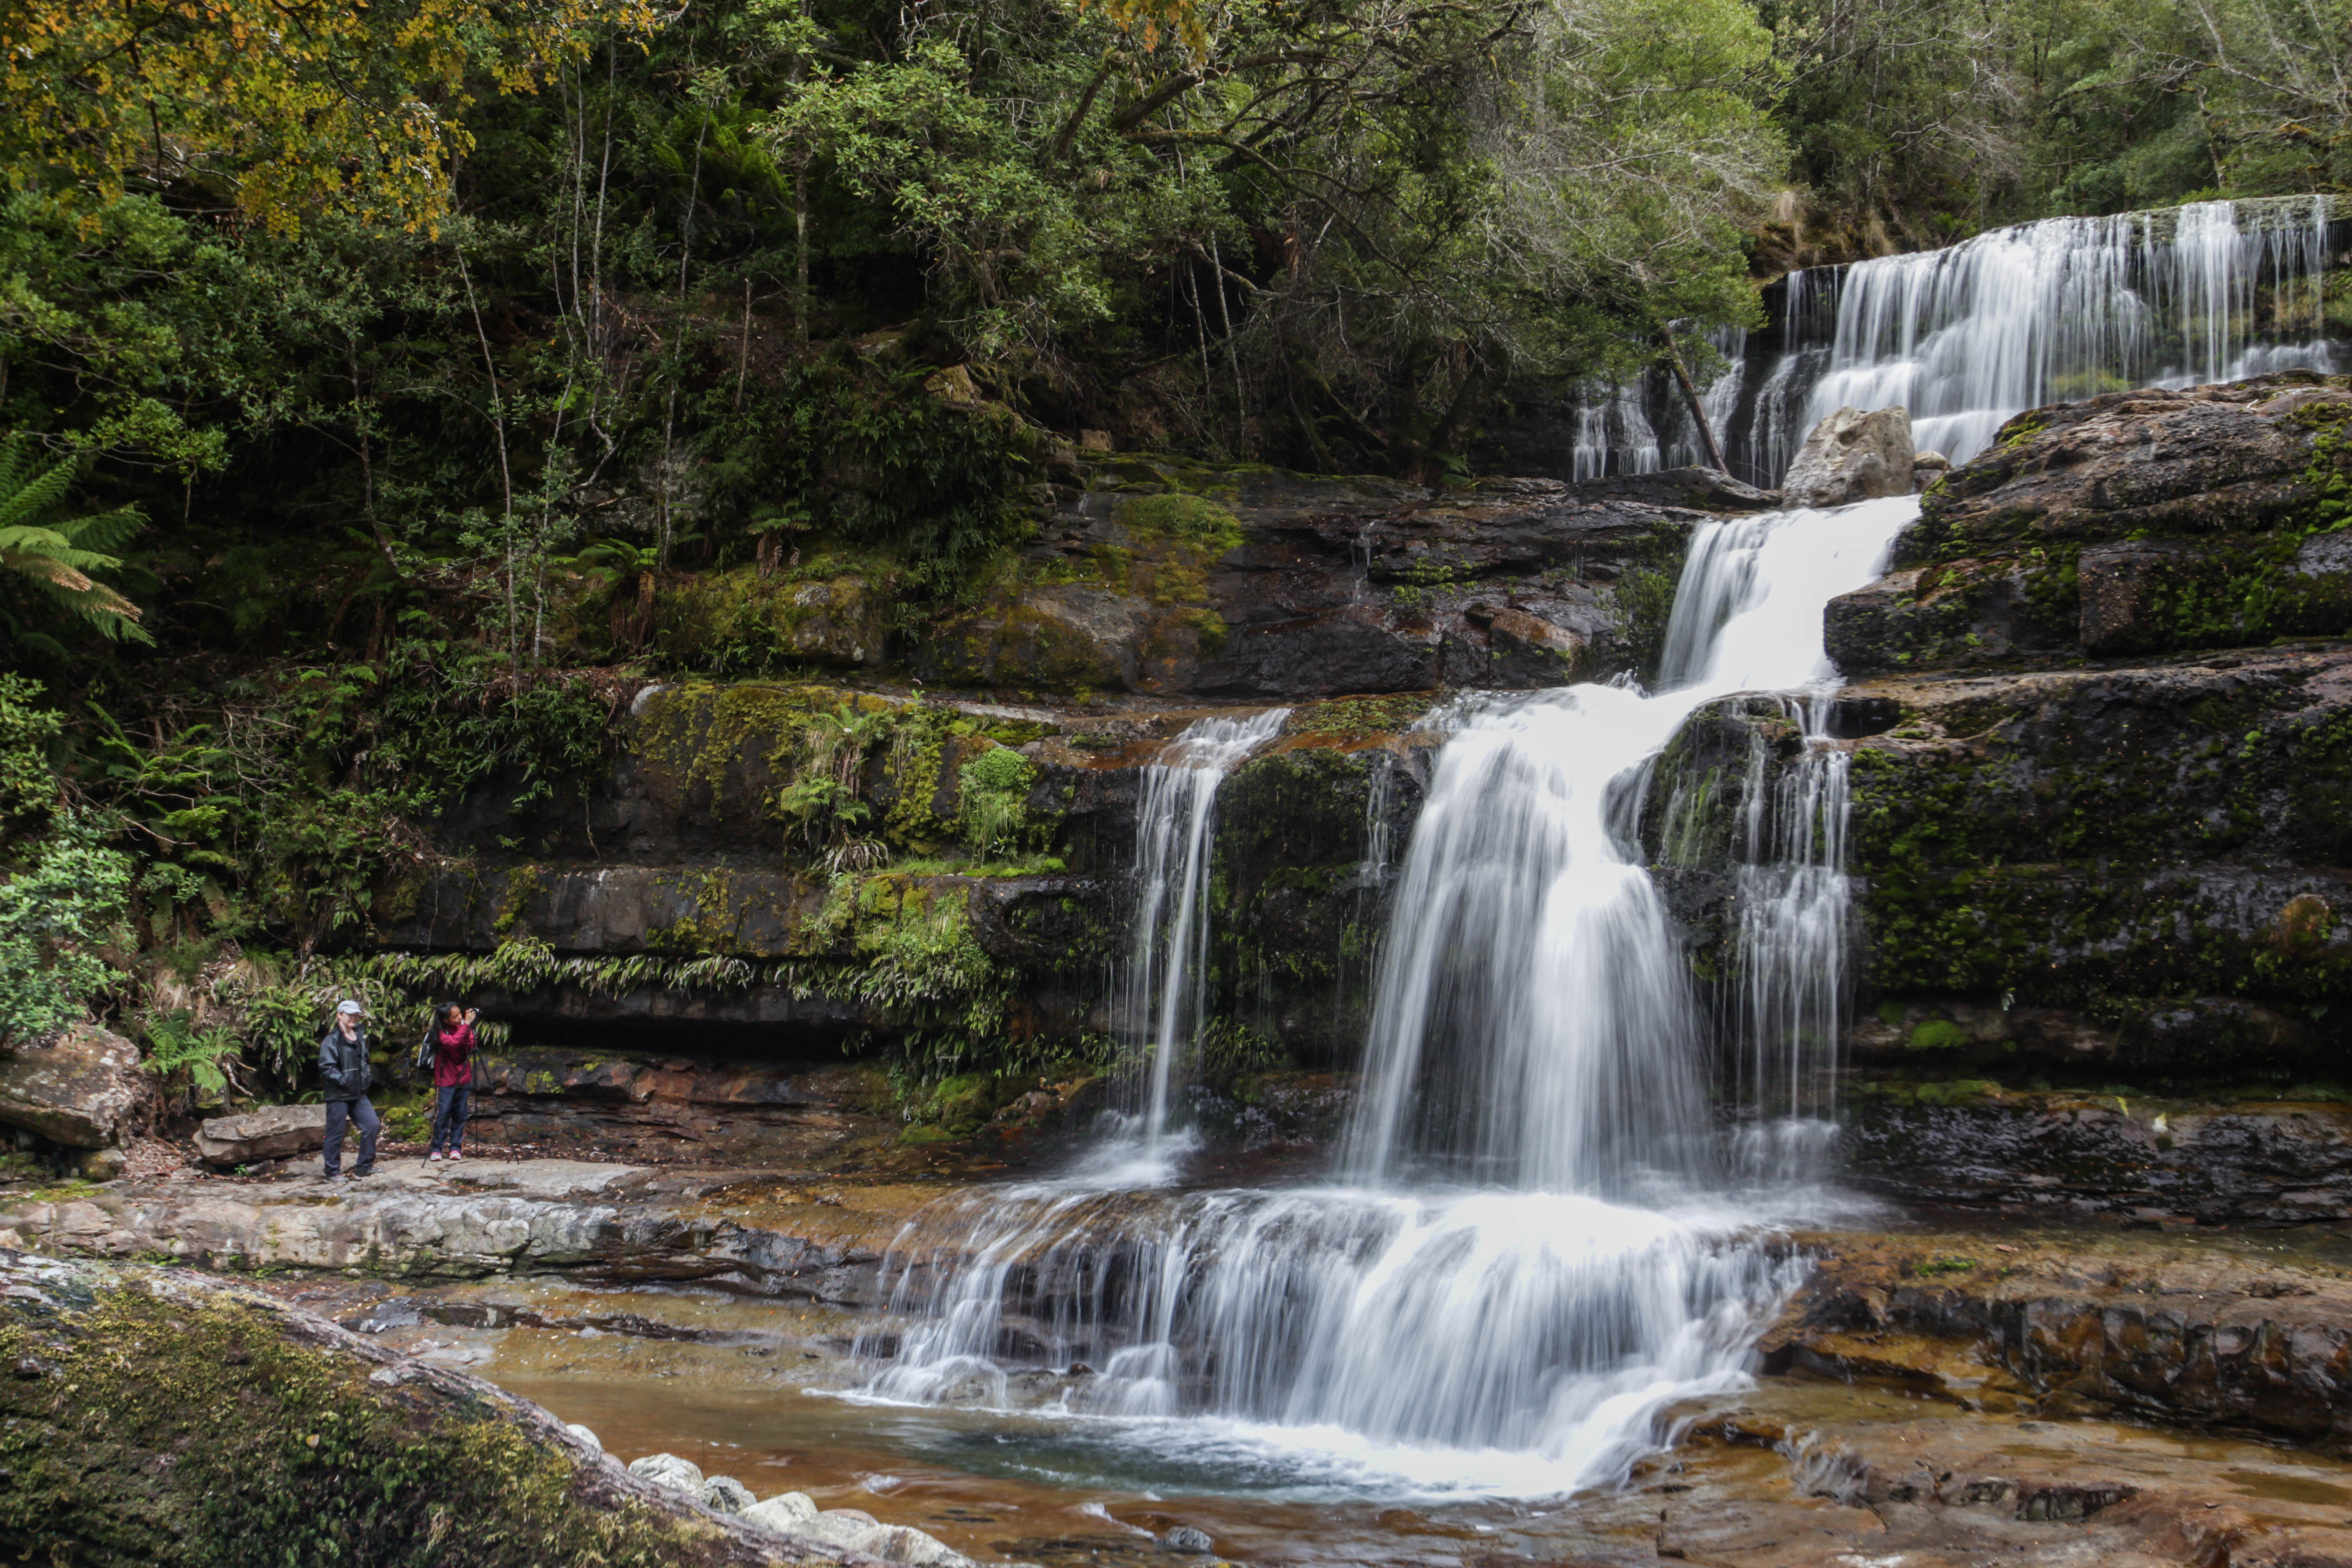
(2053, 312)
(1168, 970)
(1969, 336)
(1533, 1254)
(1537, 953)
(1501, 1342)
(1791, 901)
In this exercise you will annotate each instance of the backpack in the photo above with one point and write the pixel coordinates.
(425, 1046)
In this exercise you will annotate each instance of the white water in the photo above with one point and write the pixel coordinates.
(1167, 974)
(2062, 310)
(1969, 336)
(1535, 1016)
(1536, 1033)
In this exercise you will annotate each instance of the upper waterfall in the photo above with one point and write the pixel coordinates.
(1971, 335)
(2057, 311)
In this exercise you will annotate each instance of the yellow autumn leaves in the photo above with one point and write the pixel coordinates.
(280, 108)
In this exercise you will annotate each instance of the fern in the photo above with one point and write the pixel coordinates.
(55, 556)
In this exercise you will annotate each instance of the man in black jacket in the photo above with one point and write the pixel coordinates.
(343, 1083)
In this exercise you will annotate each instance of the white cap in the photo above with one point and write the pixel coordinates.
(347, 1005)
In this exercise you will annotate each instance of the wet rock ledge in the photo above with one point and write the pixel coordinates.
(150, 1416)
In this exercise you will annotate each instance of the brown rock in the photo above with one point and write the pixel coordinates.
(79, 1091)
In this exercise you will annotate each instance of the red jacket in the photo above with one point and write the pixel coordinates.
(453, 1052)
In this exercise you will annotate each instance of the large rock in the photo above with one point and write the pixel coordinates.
(2134, 522)
(1170, 579)
(2129, 875)
(81, 1089)
(683, 1476)
(1851, 456)
(159, 1416)
(273, 1133)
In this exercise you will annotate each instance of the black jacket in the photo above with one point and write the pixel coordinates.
(343, 1064)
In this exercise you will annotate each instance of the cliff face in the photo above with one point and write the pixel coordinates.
(2100, 755)
(774, 870)
(2077, 869)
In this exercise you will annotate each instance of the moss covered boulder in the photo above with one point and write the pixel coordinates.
(158, 1417)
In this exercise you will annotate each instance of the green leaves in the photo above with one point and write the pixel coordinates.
(57, 913)
(53, 555)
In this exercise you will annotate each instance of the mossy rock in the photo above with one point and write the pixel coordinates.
(158, 1417)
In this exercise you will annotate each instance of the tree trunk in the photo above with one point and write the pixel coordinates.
(1690, 396)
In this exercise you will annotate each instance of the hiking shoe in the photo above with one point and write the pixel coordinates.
(433, 1159)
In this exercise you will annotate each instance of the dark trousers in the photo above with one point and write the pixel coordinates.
(451, 1101)
(339, 1111)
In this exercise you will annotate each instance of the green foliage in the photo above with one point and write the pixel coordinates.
(288, 808)
(58, 910)
(53, 555)
(993, 790)
(28, 728)
(1915, 122)
(181, 1053)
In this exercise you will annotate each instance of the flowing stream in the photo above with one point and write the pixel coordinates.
(1535, 1243)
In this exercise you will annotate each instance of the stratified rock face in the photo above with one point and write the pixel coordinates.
(1853, 455)
(78, 1089)
(2083, 1326)
(2099, 807)
(2134, 522)
(1973, 1143)
(1229, 582)
(2128, 874)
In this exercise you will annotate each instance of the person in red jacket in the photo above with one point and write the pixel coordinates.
(453, 1081)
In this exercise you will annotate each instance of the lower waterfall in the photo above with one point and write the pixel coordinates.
(1535, 1247)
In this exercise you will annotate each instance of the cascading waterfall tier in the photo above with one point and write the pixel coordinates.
(1535, 1018)
(1533, 1032)
(1168, 965)
(2016, 317)
(2053, 312)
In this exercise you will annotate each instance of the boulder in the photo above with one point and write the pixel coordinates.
(164, 1415)
(724, 1494)
(1852, 456)
(904, 1543)
(670, 1470)
(272, 1133)
(784, 1513)
(2138, 522)
(1187, 1541)
(585, 1435)
(79, 1090)
(852, 1530)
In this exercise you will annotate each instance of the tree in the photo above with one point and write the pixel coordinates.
(292, 106)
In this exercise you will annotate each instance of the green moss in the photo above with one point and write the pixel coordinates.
(1361, 716)
(1188, 519)
(1937, 1034)
(1646, 603)
(181, 1424)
